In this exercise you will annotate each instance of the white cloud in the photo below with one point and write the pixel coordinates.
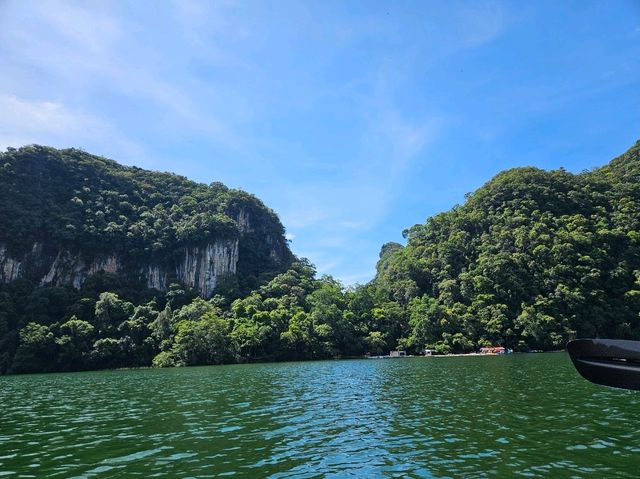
(42, 122)
(101, 48)
(29, 118)
(195, 70)
(52, 123)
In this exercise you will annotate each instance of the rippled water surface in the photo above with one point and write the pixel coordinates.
(521, 415)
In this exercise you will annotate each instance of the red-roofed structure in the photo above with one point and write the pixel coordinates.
(493, 350)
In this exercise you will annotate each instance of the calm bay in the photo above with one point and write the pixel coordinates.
(527, 415)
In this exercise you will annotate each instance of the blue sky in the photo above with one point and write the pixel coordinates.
(352, 120)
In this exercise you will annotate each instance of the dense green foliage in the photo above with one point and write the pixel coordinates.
(71, 200)
(532, 259)
(293, 316)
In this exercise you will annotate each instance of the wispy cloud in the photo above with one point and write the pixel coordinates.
(99, 49)
(32, 119)
(478, 23)
(177, 73)
(52, 123)
(344, 207)
(333, 113)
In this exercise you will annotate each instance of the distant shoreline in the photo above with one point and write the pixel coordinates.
(459, 355)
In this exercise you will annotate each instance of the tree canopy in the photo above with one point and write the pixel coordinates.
(88, 205)
(530, 260)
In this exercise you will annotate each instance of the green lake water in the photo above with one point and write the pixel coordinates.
(512, 416)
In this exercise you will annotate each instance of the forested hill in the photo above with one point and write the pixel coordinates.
(532, 259)
(106, 266)
(67, 215)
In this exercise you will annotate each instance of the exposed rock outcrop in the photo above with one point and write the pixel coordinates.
(201, 267)
(66, 215)
(73, 269)
(156, 277)
(9, 267)
(243, 221)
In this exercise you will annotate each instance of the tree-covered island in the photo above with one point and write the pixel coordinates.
(105, 266)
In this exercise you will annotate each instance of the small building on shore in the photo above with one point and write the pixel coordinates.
(493, 350)
(397, 354)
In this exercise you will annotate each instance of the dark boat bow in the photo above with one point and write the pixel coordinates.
(610, 362)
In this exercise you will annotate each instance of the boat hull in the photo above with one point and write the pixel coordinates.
(609, 362)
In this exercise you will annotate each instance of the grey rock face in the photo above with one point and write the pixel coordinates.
(201, 267)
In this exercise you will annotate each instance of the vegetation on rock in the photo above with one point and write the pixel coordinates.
(92, 207)
(530, 260)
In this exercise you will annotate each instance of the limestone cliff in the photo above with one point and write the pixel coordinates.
(203, 266)
(66, 215)
(200, 268)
